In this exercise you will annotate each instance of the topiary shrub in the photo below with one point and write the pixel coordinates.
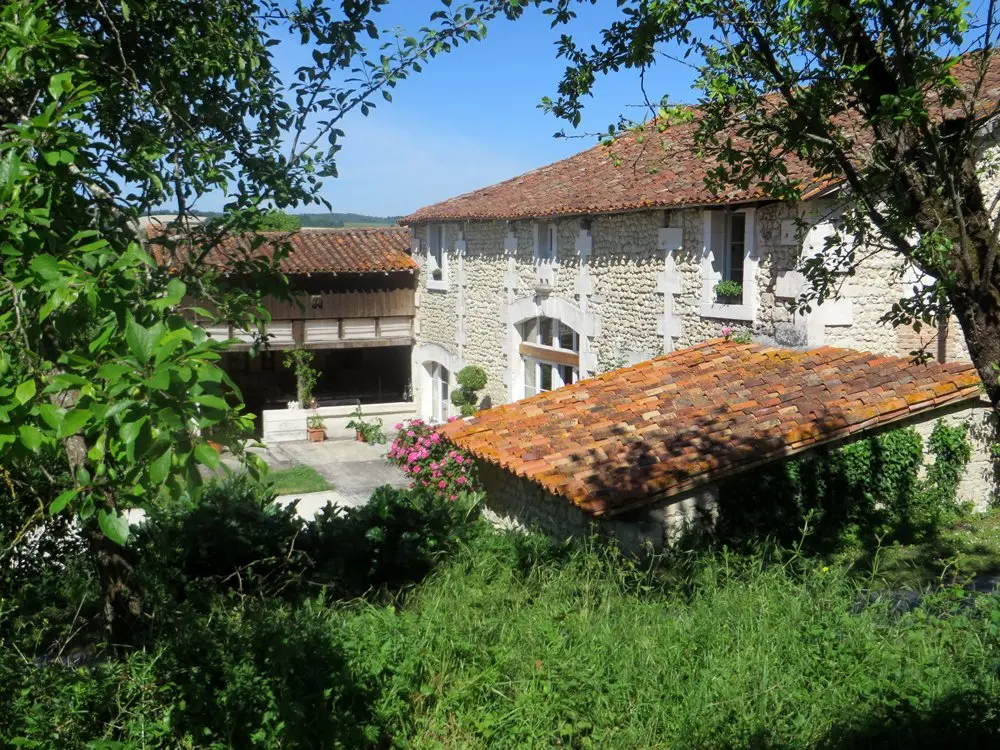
(471, 379)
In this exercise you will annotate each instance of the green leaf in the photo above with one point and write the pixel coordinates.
(25, 392)
(207, 455)
(73, 422)
(130, 430)
(114, 526)
(160, 468)
(52, 414)
(142, 341)
(46, 266)
(62, 500)
(112, 371)
(31, 436)
(211, 402)
(61, 82)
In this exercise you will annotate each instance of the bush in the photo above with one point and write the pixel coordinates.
(432, 462)
(471, 379)
(235, 538)
(867, 492)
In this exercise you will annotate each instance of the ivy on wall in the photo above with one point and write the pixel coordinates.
(869, 492)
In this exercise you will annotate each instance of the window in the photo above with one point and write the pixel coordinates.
(729, 265)
(545, 247)
(550, 353)
(735, 249)
(440, 391)
(435, 251)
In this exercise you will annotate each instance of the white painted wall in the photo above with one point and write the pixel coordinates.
(289, 425)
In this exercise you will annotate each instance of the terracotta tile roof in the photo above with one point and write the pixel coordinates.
(622, 439)
(654, 170)
(371, 250)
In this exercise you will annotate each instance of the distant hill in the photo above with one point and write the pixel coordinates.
(333, 219)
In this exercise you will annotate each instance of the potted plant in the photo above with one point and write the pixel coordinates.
(365, 431)
(729, 292)
(316, 428)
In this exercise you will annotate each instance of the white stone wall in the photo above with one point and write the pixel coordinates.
(979, 484)
(289, 425)
(638, 298)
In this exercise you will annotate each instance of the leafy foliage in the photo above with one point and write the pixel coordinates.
(868, 492)
(471, 379)
(728, 288)
(515, 640)
(432, 463)
(300, 360)
(111, 110)
(370, 430)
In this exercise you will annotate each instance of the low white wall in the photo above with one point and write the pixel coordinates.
(289, 425)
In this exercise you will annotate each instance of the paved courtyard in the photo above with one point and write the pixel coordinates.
(354, 469)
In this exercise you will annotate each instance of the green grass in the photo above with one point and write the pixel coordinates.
(299, 479)
(969, 548)
(505, 648)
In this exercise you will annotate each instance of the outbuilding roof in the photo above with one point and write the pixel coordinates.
(368, 250)
(629, 437)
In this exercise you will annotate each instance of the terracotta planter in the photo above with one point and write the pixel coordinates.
(316, 434)
(359, 436)
(216, 446)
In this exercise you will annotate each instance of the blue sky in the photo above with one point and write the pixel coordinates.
(470, 119)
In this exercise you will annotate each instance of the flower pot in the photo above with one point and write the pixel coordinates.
(729, 300)
(359, 436)
(316, 434)
(216, 446)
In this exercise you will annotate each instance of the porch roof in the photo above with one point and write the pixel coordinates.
(362, 250)
(631, 436)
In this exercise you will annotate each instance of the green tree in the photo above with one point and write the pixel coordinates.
(111, 108)
(892, 100)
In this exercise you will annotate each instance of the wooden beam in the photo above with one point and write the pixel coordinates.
(550, 354)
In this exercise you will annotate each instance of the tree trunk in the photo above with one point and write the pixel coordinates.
(980, 321)
(121, 604)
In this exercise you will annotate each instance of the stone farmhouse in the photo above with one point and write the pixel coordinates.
(614, 255)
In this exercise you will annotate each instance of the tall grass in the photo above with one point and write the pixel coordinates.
(588, 652)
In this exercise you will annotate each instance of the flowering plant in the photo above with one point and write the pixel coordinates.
(431, 462)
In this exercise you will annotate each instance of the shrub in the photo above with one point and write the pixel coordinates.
(864, 492)
(432, 462)
(471, 379)
(392, 540)
(235, 538)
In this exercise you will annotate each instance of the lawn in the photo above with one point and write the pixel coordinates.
(299, 479)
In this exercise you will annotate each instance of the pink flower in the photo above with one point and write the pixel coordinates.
(442, 484)
(462, 480)
(727, 330)
(399, 426)
(459, 459)
(454, 498)
(410, 433)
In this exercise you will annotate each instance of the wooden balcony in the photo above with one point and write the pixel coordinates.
(334, 320)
